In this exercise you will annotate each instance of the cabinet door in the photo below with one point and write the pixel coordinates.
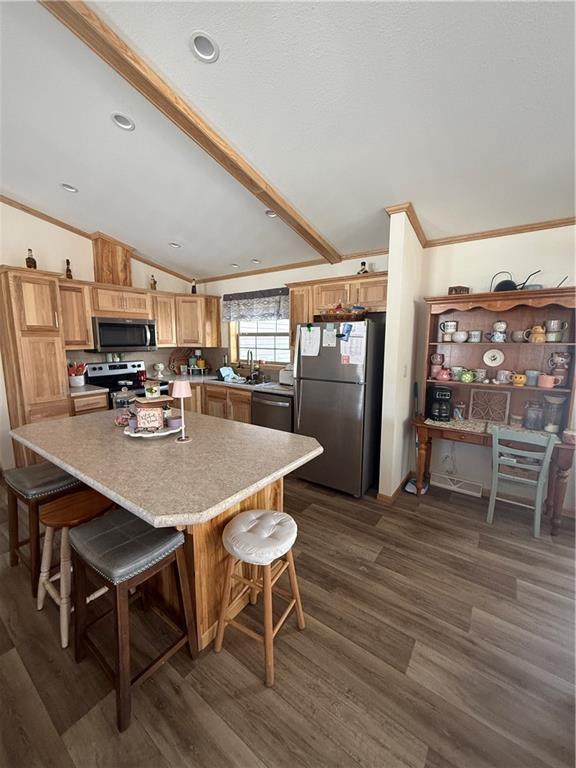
(137, 304)
(108, 301)
(112, 262)
(300, 309)
(240, 405)
(370, 294)
(76, 316)
(327, 296)
(194, 403)
(211, 321)
(43, 369)
(215, 401)
(164, 312)
(36, 303)
(189, 320)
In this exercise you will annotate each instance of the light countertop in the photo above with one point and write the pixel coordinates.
(273, 387)
(88, 389)
(164, 482)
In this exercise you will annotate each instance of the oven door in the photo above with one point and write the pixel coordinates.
(124, 334)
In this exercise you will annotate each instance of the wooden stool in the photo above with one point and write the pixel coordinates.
(260, 537)
(121, 551)
(63, 514)
(34, 486)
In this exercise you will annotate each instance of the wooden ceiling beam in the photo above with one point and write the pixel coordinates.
(98, 36)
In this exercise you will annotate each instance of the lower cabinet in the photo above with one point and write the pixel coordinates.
(192, 404)
(228, 403)
(89, 403)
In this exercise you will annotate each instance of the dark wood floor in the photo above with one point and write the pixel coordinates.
(432, 641)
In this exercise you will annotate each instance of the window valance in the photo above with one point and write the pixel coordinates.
(256, 305)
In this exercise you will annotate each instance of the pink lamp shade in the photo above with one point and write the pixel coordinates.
(181, 389)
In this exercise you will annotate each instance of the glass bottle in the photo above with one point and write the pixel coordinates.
(553, 410)
(534, 415)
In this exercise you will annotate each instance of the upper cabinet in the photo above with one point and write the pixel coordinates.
(112, 261)
(164, 312)
(370, 293)
(112, 302)
(36, 302)
(328, 295)
(197, 321)
(301, 308)
(76, 316)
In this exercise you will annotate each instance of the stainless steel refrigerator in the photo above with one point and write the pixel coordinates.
(338, 400)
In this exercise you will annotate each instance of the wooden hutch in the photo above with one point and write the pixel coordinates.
(521, 310)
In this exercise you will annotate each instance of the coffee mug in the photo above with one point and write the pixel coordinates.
(457, 371)
(467, 377)
(555, 326)
(436, 358)
(546, 381)
(447, 337)
(500, 325)
(496, 337)
(434, 370)
(518, 336)
(532, 378)
(460, 336)
(504, 377)
(518, 379)
(480, 374)
(449, 326)
(474, 336)
(554, 336)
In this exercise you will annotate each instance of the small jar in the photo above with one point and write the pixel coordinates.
(459, 410)
(515, 420)
(534, 415)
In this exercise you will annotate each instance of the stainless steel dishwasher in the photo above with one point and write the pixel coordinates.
(273, 411)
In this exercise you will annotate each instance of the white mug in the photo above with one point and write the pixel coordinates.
(504, 377)
(460, 336)
(554, 326)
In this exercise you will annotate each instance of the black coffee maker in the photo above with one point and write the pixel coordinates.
(438, 403)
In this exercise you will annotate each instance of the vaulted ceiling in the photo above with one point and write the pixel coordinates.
(466, 109)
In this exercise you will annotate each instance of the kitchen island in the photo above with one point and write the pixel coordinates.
(198, 486)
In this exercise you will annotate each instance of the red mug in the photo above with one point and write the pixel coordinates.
(548, 382)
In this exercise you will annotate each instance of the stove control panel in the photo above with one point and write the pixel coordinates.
(115, 369)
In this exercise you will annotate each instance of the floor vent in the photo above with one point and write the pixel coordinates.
(452, 483)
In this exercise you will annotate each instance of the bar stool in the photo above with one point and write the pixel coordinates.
(80, 508)
(260, 537)
(121, 551)
(34, 486)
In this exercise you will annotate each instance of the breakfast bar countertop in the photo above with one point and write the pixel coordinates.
(164, 482)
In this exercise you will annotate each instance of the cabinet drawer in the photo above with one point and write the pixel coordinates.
(469, 437)
(90, 403)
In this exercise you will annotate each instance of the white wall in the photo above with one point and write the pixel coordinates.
(404, 292)
(473, 264)
(51, 246)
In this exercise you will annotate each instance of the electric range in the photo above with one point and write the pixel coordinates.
(114, 376)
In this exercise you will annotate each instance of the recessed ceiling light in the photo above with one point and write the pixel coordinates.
(236, 266)
(271, 214)
(122, 121)
(204, 47)
(256, 261)
(175, 245)
(69, 188)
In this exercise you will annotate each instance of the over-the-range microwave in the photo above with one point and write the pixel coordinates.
(120, 334)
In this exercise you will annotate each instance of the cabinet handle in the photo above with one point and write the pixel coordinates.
(56, 320)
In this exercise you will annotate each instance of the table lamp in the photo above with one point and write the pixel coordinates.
(182, 389)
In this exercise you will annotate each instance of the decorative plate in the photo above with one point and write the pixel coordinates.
(159, 433)
(493, 357)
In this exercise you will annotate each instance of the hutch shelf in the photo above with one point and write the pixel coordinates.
(520, 310)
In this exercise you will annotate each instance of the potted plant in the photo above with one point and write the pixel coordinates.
(77, 374)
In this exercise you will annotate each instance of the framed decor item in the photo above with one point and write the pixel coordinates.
(489, 406)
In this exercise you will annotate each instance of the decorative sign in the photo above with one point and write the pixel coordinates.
(150, 419)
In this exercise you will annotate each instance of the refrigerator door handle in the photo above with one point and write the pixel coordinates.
(298, 403)
(297, 352)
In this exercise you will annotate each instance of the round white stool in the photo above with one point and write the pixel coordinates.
(260, 537)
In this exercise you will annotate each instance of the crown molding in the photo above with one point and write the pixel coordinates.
(503, 232)
(408, 209)
(97, 35)
(44, 216)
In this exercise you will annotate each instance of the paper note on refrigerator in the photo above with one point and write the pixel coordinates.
(329, 337)
(309, 341)
(353, 351)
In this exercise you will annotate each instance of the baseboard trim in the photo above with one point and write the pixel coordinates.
(391, 499)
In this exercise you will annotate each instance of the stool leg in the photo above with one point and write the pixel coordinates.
(187, 602)
(268, 626)
(122, 621)
(65, 583)
(13, 534)
(34, 533)
(80, 608)
(253, 577)
(230, 563)
(45, 567)
(295, 590)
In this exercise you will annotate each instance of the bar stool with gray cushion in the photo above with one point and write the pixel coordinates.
(34, 486)
(261, 538)
(122, 551)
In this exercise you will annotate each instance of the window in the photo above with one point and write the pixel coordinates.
(268, 340)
